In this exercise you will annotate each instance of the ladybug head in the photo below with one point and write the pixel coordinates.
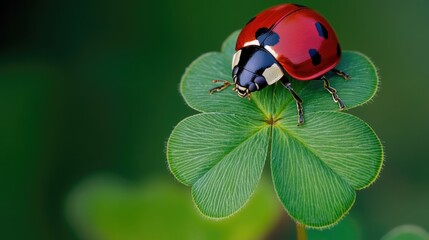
(253, 68)
(246, 82)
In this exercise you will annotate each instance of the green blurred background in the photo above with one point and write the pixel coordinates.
(91, 87)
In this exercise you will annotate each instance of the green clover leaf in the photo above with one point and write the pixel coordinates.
(316, 168)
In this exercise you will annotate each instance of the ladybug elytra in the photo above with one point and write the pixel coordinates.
(285, 40)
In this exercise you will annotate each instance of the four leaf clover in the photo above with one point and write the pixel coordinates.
(316, 167)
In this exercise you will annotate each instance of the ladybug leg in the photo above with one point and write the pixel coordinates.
(221, 87)
(333, 92)
(341, 73)
(285, 82)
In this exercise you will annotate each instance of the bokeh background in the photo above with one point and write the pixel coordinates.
(89, 95)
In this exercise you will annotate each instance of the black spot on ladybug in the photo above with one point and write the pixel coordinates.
(250, 20)
(338, 50)
(272, 39)
(315, 57)
(267, 37)
(261, 34)
(298, 5)
(322, 30)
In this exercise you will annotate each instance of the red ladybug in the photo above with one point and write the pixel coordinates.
(285, 40)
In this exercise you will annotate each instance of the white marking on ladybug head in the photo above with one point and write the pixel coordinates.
(241, 91)
(240, 87)
(235, 78)
(273, 74)
(257, 86)
(271, 50)
(254, 42)
(236, 58)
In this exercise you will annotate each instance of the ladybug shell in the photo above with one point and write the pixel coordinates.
(304, 42)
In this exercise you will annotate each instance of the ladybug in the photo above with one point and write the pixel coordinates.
(285, 40)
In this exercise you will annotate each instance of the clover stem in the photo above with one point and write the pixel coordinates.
(300, 232)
